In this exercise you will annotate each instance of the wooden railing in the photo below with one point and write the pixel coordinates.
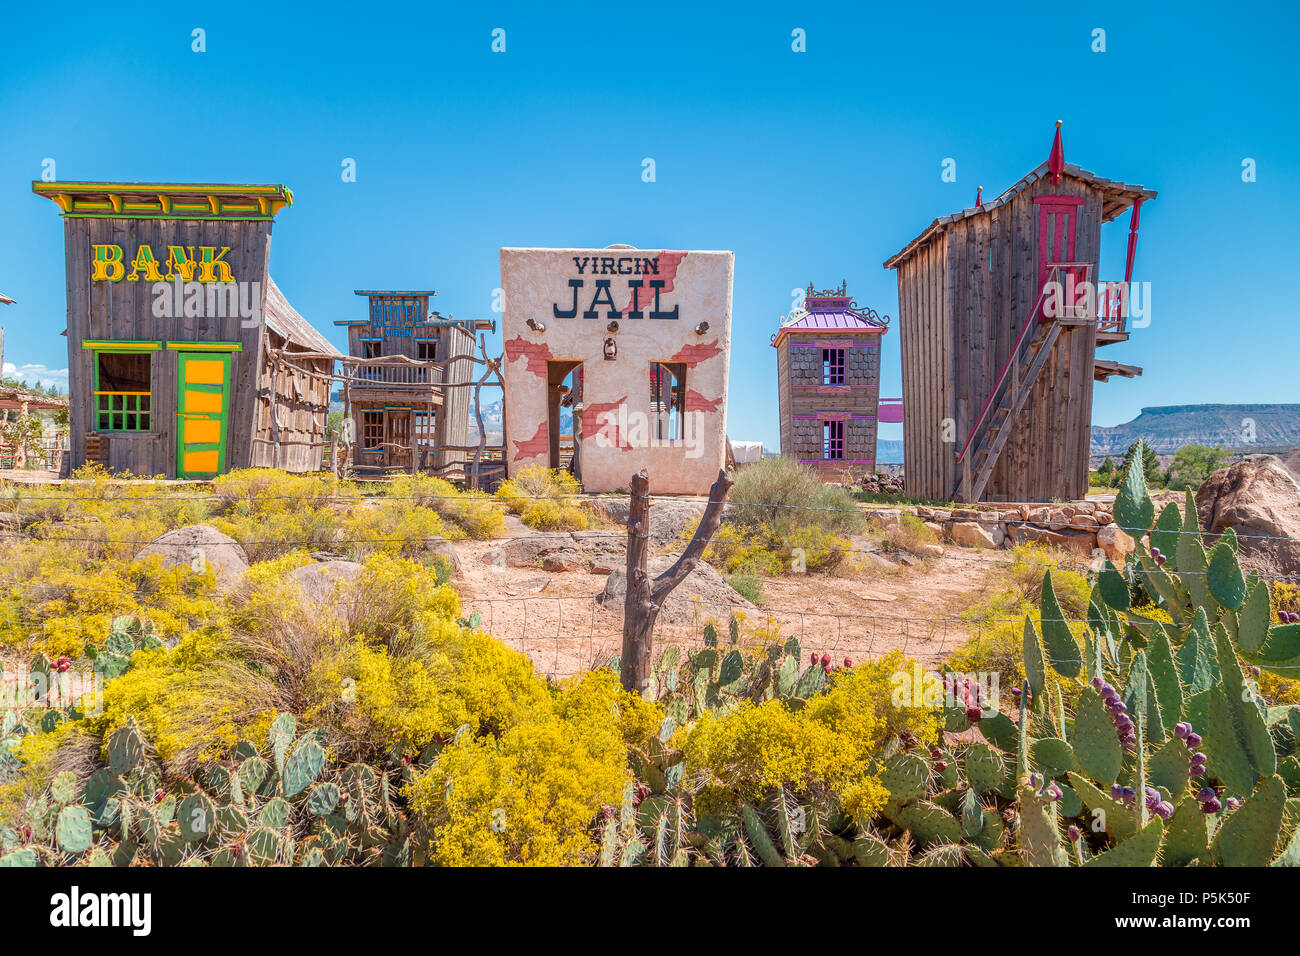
(395, 371)
(1112, 306)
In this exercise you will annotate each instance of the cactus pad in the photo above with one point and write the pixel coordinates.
(906, 776)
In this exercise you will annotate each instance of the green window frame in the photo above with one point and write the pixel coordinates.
(118, 409)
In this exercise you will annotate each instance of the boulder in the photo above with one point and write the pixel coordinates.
(559, 551)
(1259, 499)
(704, 593)
(444, 549)
(669, 517)
(1116, 543)
(199, 543)
(322, 582)
(970, 534)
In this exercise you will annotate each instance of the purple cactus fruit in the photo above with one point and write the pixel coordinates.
(1211, 805)
(1098, 683)
(974, 714)
(1155, 551)
(1193, 740)
(1116, 792)
(1015, 692)
(1160, 560)
(1055, 792)
(1164, 810)
(1073, 833)
(940, 766)
(1181, 730)
(1206, 793)
(1233, 803)
(1255, 672)
(1035, 780)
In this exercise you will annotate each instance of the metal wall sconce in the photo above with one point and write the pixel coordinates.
(611, 349)
(702, 328)
(535, 325)
(613, 326)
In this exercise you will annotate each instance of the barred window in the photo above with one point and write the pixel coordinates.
(123, 391)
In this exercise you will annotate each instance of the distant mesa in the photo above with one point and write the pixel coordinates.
(1168, 428)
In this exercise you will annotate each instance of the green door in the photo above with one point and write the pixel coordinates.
(203, 405)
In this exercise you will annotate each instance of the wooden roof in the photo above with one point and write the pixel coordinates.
(1117, 197)
(12, 396)
(95, 200)
(284, 320)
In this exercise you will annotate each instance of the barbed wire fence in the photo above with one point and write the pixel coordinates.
(562, 635)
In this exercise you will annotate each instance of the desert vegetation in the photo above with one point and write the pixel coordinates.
(165, 716)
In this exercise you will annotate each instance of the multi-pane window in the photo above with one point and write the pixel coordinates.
(832, 366)
(833, 440)
(372, 430)
(123, 391)
(425, 423)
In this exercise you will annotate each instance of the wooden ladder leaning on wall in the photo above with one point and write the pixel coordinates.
(1013, 387)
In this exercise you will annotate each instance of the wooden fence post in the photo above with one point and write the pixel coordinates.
(645, 597)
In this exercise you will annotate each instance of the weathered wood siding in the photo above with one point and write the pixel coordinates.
(293, 401)
(926, 343)
(964, 296)
(123, 310)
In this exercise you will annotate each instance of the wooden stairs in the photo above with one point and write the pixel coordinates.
(978, 464)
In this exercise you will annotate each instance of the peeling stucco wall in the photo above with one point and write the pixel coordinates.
(615, 444)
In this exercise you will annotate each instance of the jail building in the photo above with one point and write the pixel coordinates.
(184, 358)
(621, 355)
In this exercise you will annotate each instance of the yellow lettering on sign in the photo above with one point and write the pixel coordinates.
(106, 263)
(213, 264)
(144, 261)
(179, 263)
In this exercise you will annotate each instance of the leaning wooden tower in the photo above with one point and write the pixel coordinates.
(1000, 315)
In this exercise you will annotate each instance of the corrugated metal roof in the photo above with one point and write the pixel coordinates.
(1119, 197)
(284, 320)
(831, 320)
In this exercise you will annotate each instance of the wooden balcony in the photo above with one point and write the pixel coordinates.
(393, 378)
(1112, 312)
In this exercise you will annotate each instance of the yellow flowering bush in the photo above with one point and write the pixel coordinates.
(63, 607)
(834, 742)
(528, 797)
(472, 511)
(545, 498)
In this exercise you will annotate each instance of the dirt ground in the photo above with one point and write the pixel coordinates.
(554, 617)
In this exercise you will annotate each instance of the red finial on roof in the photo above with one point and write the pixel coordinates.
(979, 195)
(1056, 161)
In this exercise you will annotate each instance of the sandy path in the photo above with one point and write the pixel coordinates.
(553, 617)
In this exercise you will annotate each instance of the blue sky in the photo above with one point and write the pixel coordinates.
(809, 166)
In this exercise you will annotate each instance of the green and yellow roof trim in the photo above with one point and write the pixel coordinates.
(217, 201)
